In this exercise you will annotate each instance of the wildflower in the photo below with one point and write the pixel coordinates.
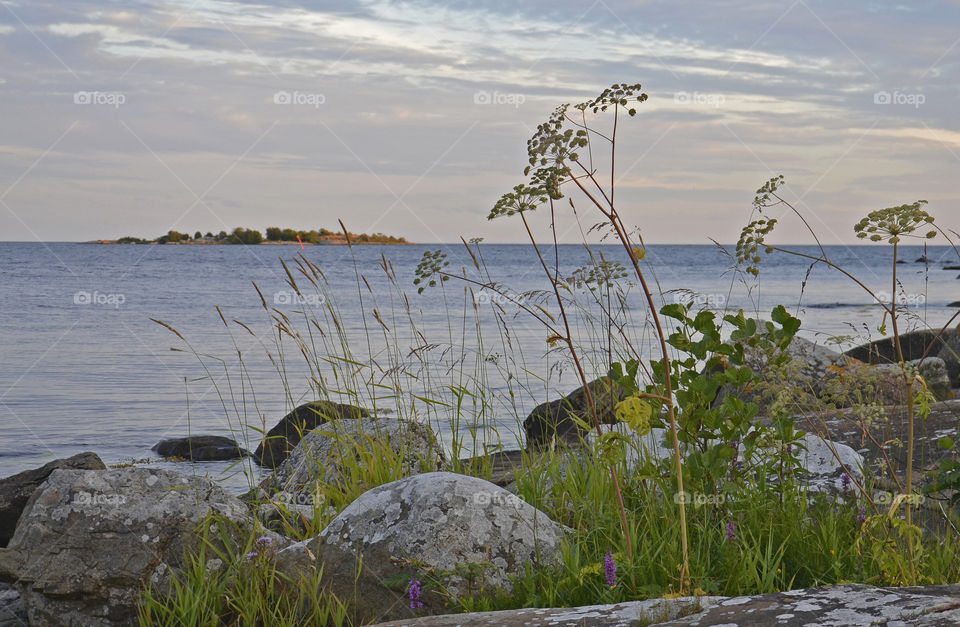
(414, 594)
(262, 548)
(731, 531)
(610, 569)
(861, 517)
(845, 482)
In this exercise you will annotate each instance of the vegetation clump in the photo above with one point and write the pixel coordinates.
(692, 492)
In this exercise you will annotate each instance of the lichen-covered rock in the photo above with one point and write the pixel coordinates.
(647, 612)
(825, 462)
(201, 448)
(848, 605)
(287, 433)
(16, 490)
(934, 373)
(321, 454)
(12, 611)
(89, 540)
(803, 379)
(558, 419)
(433, 522)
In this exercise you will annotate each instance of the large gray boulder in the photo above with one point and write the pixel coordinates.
(15, 490)
(915, 344)
(287, 433)
(89, 540)
(319, 457)
(557, 421)
(430, 523)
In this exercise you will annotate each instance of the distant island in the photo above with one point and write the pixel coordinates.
(275, 235)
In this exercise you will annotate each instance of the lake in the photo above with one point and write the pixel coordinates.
(83, 367)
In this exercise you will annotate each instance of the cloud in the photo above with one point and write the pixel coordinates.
(433, 102)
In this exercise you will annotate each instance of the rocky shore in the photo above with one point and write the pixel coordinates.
(81, 541)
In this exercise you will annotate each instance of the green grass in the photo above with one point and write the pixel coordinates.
(470, 375)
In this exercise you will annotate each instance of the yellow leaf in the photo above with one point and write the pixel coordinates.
(636, 413)
(640, 253)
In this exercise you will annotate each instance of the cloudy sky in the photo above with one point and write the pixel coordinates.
(411, 118)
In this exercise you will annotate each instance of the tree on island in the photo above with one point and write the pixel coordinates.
(241, 235)
(172, 237)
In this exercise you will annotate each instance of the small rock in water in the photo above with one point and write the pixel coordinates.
(201, 448)
(955, 303)
(560, 419)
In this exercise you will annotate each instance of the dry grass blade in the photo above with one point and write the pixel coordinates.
(170, 328)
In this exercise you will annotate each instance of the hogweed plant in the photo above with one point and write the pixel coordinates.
(891, 225)
(560, 157)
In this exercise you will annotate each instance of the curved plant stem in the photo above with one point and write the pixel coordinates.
(615, 221)
(568, 339)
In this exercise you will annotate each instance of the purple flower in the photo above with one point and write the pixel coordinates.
(610, 569)
(731, 531)
(264, 541)
(414, 593)
(861, 517)
(252, 555)
(845, 482)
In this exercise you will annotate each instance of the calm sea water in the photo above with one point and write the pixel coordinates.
(83, 367)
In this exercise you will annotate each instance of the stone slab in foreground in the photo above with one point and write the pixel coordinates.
(647, 612)
(847, 605)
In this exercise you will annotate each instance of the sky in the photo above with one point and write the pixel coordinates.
(411, 118)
